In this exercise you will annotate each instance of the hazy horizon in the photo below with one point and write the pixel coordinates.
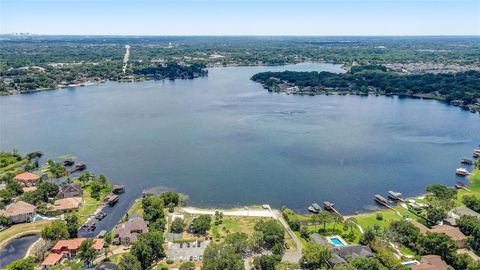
(242, 17)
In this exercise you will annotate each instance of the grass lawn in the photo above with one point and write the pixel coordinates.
(473, 188)
(13, 166)
(136, 208)
(232, 224)
(370, 219)
(89, 204)
(22, 229)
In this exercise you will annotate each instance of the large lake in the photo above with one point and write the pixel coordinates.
(226, 141)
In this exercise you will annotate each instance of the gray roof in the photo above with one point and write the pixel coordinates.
(353, 251)
(318, 239)
(463, 211)
(336, 259)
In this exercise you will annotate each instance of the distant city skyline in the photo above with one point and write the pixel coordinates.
(241, 17)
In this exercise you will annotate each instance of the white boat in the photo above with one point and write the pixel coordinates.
(462, 171)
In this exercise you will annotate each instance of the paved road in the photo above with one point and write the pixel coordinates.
(290, 256)
(126, 58)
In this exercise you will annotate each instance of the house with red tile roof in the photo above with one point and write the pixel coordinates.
(27, 179)
(67, 249)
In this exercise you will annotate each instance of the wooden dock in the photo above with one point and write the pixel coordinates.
(330, 207)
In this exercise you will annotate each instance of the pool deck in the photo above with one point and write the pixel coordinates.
(339, 238)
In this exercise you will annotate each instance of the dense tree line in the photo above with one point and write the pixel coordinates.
(463, 86)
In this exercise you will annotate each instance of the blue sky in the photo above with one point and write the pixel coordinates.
(241, 17)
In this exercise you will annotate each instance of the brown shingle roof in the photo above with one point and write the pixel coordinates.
(26, 176)
(17, 208)
(452, 232)
(423, 228)
(67, 204)
(431, 262)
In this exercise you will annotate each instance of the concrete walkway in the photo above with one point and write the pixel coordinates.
(239, 213)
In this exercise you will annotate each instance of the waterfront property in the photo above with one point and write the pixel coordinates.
(127, 233)
(27, 179)
(336, 241)
(342, 254)
(19, 212)
(289, 134)
(71, 190)
(431, 262)
(67, 249)
(452, 232)
(66, 205)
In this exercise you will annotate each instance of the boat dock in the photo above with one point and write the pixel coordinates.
(330, 207)
(314, 208)
(381, 200)
(462, 172)
(397, 196)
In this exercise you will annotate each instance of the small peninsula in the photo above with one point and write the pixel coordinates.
(459, 89)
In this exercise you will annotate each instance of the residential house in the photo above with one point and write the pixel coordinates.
(431, 262)
(342, 254)
(453, 232)
(127, 233)
(71, 190)
(27, 179)
(67, 249)
(457, 213)
(66, 205)
(19, 212)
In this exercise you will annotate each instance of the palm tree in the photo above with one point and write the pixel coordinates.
(336, 219)
(324, 218)
(351, 222)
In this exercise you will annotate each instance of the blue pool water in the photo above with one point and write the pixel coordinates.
(336, 242)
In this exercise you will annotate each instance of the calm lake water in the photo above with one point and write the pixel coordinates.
(16, 249)
(225, 141)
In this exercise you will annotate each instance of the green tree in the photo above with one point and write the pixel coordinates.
(187, 266)
(442, 192)
(273, 232)
(257, 241)
(57, 230)
(368, 237)
(221, 257)
(278, 249)
(170, 197)
(177, 225)
(436, 214)
(324, 217)
(315, 256)
(148, 248)
(367, 263)
(201, 224)
(86, 252)
(143, 252)
(103, 180)
(152, 208)
(266, 262)
(129, 262)
(438, 244)
(22, 264)
(239, 241)
(72, 224)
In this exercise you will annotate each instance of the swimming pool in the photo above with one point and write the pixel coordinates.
(410, 263)
(337, 241)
